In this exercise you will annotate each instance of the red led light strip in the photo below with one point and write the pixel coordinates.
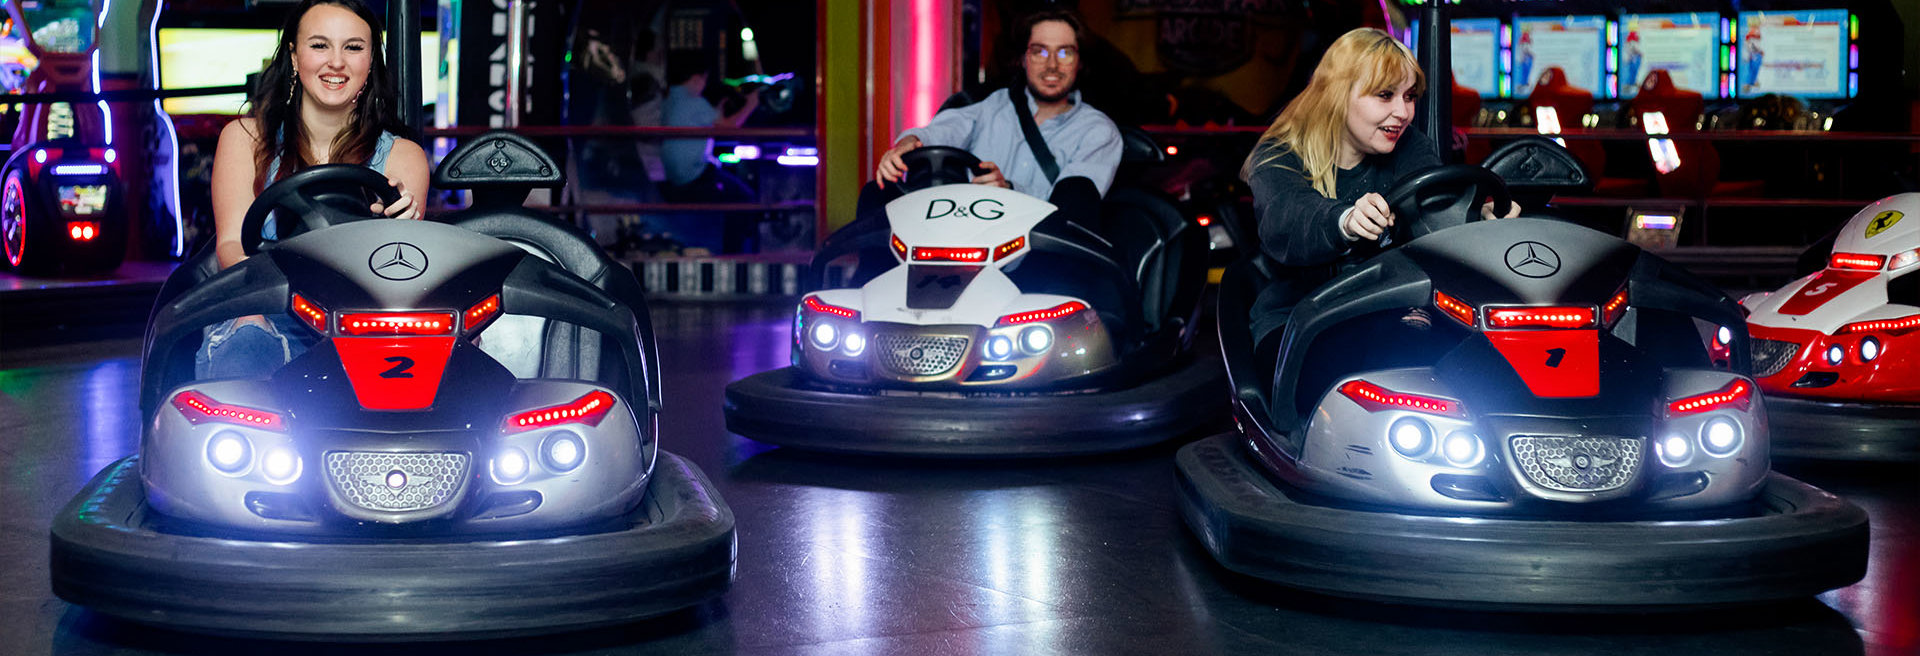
(1738, 394)
(589, 410)
(899, 247)
(409, 324)
(1857, 261)
(1540, 317)
(931, 254)
(1460, 312)
(1376, 398)
(1009, 248)
(1900, 326)
(814, 303)
(1049, 314)
(482, 312)
(1611, 311)
(199, 408)
(311, 313)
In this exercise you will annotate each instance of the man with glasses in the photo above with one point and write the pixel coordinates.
(1084, 143)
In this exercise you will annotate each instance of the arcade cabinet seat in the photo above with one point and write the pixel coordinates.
(1698, 175)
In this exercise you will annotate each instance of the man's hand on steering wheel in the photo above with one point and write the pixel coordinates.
(891, 168)
(405, 208)
(992, 176)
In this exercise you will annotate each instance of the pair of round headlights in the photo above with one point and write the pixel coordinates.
(1033, 340)
(560, 452)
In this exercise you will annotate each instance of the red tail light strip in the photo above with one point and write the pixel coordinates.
(199, 409)
(1376, 398)
(1738, 394)
(814, 303)
(1460, 312)
(1610, 312)
(589, 410)
(482, 312)
(1858, 261)
(1540, 317)
(311, 313)
(396, 324)
(1900, 326)
(899, 247)
(1048, 314)
(933, 254)
(1009, 248)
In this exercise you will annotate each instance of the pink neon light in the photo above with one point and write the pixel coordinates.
(920, 88)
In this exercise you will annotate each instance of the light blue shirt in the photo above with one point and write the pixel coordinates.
(1083, 140)
(685, 159)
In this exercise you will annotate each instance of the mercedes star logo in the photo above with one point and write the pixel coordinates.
(398, 261)
(1533, 259)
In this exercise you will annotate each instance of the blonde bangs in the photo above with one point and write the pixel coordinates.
(1381, 70)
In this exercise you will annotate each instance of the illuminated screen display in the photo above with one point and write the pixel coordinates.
(193, 57)
(82, 200)
(1475, 50)
(1575, 44)
(1795, 53)
(1686, 46)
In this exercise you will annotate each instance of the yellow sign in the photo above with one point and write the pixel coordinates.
(1882, 221)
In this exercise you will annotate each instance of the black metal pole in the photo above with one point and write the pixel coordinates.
(403, 59)
(1436, 116)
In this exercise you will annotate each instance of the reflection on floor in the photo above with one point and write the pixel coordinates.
(852, 556)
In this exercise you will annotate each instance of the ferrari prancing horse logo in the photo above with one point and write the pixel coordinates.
(1882, 221)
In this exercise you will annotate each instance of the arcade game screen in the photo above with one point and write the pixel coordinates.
(1576, 44)
(1475, 48)
(192, 57)
(1794, 53)
(1686, 46)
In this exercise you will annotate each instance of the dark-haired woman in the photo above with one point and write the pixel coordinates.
(326, 97)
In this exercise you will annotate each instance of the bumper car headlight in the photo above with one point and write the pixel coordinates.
(1411, 437)
(563, 451)
(1036, 340)
(280, 465)
(1721, 437)
(1462, 449)
(855, 343)
(1869, 349)
(1675, 451)
(510, 466)
(229, 452)
(1835, 354)
(999, 347)
(824, 336)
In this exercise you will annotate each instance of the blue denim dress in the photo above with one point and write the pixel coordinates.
(232, 349)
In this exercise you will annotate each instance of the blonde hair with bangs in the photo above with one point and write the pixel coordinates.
(1314, 122)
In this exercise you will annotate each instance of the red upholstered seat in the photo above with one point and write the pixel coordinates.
(1571, 103)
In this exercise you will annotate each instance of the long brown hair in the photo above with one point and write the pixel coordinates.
(1314, 122)
(276, 103)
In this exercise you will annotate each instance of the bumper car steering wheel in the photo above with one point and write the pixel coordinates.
(932, 166)
(1436, 196)
(315, 198)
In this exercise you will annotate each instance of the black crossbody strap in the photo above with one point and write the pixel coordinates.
(1018, 95)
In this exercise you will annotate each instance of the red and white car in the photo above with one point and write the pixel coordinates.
(1838, 351)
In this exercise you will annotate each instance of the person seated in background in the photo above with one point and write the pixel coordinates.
(692, 174)
(1318, 173)
(1084, 144)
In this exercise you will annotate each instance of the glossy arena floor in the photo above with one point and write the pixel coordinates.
(851, 556)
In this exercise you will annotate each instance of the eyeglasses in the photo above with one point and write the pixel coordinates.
(1065, 54)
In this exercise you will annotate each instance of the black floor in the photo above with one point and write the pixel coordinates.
(851, 556)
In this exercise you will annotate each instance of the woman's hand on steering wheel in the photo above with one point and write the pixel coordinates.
(1370, 217)
(405, 208)
(1486, 211)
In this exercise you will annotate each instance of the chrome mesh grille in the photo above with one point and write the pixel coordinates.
(1770, 356)
(367, 480)
(1578, 464)
(919, 355)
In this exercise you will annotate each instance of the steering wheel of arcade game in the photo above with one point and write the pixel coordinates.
(932, 166)
(315, 198)
(1444, 191)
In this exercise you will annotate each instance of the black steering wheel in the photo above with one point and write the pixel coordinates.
(1434, 198)
(931, 166)
(315, 198)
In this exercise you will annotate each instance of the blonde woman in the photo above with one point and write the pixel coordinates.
(1318, 173)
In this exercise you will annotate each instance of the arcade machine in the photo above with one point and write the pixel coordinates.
(60, 200)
